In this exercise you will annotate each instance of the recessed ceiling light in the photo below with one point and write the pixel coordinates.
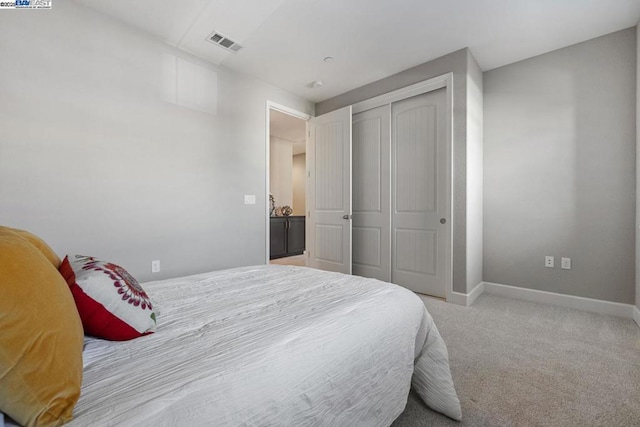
(317, 84)
(328, 59)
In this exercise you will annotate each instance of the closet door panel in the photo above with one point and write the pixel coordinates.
(416, 160)
(367, 164)
(371, 159)
(369, 248)
(329, 171)
(417, 251)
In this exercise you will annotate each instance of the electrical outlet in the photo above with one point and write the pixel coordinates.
(155, 266)
(566, 263)
(249, 199)
(548, 261)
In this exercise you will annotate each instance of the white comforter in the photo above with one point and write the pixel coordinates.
(267, 346)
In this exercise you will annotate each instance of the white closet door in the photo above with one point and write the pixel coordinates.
(421, 226)
(371, 193)
(329, 191)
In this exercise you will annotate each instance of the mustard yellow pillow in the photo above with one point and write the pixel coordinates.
(41, 337)
(40, 244)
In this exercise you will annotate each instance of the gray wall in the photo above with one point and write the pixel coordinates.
(637, 166)
(559, 169)
(99, 155)
(457, 63)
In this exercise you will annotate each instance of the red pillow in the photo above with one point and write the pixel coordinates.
(111, 303)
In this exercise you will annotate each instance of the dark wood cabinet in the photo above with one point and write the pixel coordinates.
(286, 236)
(278, 237)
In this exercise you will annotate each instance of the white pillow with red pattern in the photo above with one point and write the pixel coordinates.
(111, 302)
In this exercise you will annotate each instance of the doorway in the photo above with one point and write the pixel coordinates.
(286, 185)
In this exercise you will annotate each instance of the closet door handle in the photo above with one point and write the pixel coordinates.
(346, 217)
(443, 220)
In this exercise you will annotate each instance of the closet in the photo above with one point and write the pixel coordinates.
(401, 186)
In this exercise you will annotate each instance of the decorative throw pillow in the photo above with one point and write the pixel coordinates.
(41, 337)
(40, 244)
(111, 303)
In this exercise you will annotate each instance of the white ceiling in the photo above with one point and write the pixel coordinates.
(285, 41)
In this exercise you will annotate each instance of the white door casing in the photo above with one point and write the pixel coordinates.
(329, 191)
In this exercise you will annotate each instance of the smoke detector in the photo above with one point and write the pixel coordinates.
(224, 42)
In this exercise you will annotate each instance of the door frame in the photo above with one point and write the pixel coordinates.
(438, 82)
(270, 105)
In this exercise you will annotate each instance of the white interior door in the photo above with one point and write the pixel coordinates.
(421, 204)
(329, 191)
(371, 193)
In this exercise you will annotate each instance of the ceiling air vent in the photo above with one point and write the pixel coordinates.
(224, 42)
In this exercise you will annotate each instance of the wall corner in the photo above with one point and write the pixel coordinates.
(637, 277)
(474, 149)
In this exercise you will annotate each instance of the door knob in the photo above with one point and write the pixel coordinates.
(346, 216)
(443, 220)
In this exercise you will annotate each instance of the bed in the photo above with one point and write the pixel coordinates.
(270, 345)
(252, 346)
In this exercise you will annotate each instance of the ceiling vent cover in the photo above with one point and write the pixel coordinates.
(224, 42)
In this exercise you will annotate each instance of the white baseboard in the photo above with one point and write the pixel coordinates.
(458, 298)
(467, 299)
(569, 301)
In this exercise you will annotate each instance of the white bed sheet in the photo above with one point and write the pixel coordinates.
(266, 346)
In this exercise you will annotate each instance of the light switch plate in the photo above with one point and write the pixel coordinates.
(249, 199)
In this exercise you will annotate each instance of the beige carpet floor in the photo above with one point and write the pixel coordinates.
(516, 363)
(298, 260)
